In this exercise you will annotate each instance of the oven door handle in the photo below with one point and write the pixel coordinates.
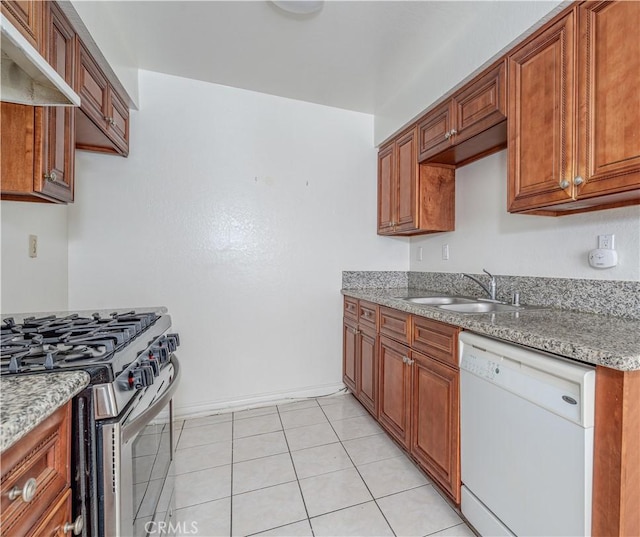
(132, 429)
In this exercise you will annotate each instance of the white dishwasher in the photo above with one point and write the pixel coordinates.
(526, 424)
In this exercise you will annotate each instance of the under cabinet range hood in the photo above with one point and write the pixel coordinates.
(27, 78)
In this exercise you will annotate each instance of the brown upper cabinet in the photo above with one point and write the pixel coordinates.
(470, 125)
(103, 119)
(26, 16)
(39, 164)
(58, 123)
(412, 199)
(573, 112)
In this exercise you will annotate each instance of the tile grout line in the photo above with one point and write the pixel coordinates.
(304, 503)
(359, 474)
(231, 491)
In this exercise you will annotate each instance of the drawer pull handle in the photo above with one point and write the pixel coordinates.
(28, 492)
(76, 527)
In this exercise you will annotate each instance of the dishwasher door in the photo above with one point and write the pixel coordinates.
(526, 440)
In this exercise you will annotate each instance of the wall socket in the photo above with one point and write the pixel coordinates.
(33, 245)
(606, 242)
(445, 252)
(419, 253)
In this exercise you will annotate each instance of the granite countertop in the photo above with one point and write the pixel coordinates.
(596, 339)
(26, 400)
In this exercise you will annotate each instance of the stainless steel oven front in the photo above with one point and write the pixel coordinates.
(135, 456)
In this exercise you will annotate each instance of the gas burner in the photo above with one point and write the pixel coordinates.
(72, 341)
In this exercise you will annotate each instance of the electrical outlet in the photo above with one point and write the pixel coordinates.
(33, 245)
(606, 242)
(419, 254)
(445, 252)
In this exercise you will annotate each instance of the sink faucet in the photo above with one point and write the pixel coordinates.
(489, 289)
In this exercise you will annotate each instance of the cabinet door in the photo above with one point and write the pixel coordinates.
(482, 105)
(26, 16)
(394, 389)
(541, 118)
(349, 353)
(386, 189)
(367, 364)
(118, 127)
(435, 440)
(58, 123)
(93, 88)
(434, 131)
(609, 98)
(407, 177)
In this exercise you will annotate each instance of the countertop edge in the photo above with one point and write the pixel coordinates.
(536, 334)
(27, 400)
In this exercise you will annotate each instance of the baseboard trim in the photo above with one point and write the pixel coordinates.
(244, 403)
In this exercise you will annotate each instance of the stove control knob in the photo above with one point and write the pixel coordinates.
(174, 341)
(160, 353)
(141, 376)
(152, 363)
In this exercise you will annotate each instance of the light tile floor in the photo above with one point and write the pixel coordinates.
(318, 467)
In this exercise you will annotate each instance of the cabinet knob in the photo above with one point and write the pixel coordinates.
(447, 135)
(405, 359)
(76, 528)
(564, 184)
(27, 492)
(578, 181)
(51, 177)
(453, 132)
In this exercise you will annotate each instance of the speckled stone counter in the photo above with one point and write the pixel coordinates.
(596, 339)
(26, 400)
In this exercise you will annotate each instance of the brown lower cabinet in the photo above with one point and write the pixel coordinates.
(395, 390)
(38, 465)
(417, 390)
(360, 352)
(435, 422)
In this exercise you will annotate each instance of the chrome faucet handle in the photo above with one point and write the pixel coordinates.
(489, 274)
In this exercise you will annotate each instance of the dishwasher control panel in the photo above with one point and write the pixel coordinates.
(480, 366)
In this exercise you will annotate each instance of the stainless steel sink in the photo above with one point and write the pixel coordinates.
(438, 300)
(480, 307)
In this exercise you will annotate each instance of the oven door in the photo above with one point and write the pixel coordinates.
(137, 455)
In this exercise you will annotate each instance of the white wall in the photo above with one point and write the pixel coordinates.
(238, 211)
(468, 47)
(487, 236)
(40, 283)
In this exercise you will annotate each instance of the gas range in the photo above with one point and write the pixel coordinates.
(118, 430)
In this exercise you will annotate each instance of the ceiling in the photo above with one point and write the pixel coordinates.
(351, 54)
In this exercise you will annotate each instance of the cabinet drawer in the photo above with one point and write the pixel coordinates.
(368, 314)
(43, 455)
(395, 324)
(436, 339)
(351, 308)
(56, 518)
